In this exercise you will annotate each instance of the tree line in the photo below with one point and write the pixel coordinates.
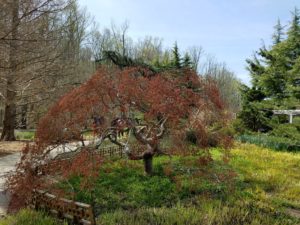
(51, 46)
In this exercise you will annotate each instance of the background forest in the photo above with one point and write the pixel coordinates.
(55, 46)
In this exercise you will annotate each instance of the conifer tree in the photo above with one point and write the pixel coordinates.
(279, 33)
(176, 60)
(275, 73)
(187, 63)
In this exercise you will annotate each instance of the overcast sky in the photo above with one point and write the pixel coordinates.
(231, 30)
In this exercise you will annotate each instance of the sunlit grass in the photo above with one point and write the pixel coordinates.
(30, 217)
(272, 176)
(256, 186)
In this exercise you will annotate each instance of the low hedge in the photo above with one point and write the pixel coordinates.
(272, 142)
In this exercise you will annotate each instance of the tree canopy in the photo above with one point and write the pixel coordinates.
(131, 100)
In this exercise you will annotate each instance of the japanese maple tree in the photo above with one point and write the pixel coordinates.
(148, 106)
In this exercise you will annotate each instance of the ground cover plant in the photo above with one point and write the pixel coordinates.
(256, 186)
(30, 217)
(248, 189)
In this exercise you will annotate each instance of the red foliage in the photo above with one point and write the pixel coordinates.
(181, 100)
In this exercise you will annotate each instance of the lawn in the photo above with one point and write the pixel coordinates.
(24, 135)
(30, 217)
(255, 186)
(271, 177)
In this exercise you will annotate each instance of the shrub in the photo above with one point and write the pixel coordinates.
(238, 126)
(275, 143)
(291, 131)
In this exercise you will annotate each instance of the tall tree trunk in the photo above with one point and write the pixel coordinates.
(10, 102)
(8, 133)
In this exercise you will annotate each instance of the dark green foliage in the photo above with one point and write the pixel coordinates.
(275, 73)
(291, 131)
(251, 94)
(187, 63)
(176, 59)
(272, 142)
(255, 118)
(124, 61)
(279, 33)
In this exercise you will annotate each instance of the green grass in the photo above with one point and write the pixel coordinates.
(256, 186)
(24, 135)
(30, 217)
(123, 185)
(209, 213)
(270, 177)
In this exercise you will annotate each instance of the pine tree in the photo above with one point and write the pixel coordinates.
(275, 73)
(294, 30)
(279, 33)
(293, 37)
(187, 62)
(176, 59)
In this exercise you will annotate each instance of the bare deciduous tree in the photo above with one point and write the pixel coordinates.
(35, 37)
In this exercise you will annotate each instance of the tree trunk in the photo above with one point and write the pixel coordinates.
(148, 163)
(8, 133)
(10, 102)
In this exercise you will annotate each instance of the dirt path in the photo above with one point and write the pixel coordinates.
(10, 154)
(7, 164)
(8, 147)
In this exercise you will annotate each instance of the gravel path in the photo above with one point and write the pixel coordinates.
(7, 164)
